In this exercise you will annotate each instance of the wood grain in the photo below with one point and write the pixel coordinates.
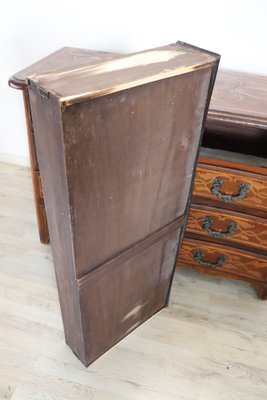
(246, 96)
(237, 119)
(66, 56)
(256, 198)
(71, 85)
(251, 231)
(117, 170)
(128, 187)
(239, 262)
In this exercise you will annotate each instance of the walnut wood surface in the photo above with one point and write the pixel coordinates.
(70, 85)
(256, 197)
(251, 231)
(239, 262)
(237, 119)
(246, 96)
(122, 199)
(67, 56)
(117, 173)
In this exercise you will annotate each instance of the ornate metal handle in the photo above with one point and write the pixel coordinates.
(228, 198)
(219, 263)
(231, 229)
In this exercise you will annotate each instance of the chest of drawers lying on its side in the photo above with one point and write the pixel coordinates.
(226, 234)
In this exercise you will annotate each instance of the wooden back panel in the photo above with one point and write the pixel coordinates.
(130, 158)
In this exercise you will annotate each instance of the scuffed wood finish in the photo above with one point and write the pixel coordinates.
(238, 261)
(71, 85)
(139, 182)
(67, 56)
(127, 290)
(251, 231)
(117, 174)
(256, 198)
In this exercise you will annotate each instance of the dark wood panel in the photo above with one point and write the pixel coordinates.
(46, 119)
(120, 295)
(129, 187)
(117, 172)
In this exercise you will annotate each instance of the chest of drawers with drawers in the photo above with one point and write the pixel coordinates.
(226, 234)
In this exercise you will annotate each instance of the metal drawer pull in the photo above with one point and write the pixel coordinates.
(228, 198)
(219, 263)
(231, 229)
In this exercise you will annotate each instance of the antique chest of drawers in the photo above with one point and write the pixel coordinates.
(226, 234)
(236, 130)
(117, 141)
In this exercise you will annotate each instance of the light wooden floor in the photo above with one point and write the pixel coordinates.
(210, 344)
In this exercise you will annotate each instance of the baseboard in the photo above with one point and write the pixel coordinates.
(12, 159)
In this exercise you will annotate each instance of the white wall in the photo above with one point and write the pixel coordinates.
(29, 30)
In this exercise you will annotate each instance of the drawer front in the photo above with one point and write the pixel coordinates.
(231, 187)
(233, 227)
(205, 256)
